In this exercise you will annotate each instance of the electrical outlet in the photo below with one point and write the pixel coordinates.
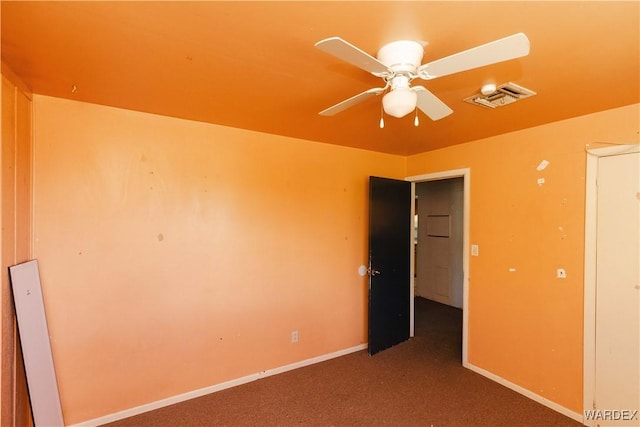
(294, 336)
(475, 250)
(561, 274)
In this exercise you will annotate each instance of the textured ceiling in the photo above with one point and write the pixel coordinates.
(253, 65)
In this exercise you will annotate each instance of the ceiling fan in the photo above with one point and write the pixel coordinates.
(399, 63)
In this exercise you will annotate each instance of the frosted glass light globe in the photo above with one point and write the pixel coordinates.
(399, 102)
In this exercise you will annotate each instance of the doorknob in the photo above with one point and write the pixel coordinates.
(372, 272)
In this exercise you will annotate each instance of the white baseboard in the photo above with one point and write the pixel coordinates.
(527, 393)
(214, 388)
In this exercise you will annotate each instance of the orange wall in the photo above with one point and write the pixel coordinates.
(527, 325)
(176, 255)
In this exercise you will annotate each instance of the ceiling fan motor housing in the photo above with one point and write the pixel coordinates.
(403, 56)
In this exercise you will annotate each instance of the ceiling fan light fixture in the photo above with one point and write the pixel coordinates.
(399, 62)
(399, 102)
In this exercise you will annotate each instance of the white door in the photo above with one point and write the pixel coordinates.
(438, 267)
(617, 349)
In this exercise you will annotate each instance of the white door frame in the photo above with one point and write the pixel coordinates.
(455, 173)
(590, 246)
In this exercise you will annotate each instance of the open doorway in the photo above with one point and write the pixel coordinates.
(438, 241)
(442, 226)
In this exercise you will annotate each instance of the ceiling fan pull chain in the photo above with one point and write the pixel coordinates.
(416, 122)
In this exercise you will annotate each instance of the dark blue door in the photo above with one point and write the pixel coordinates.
(389, 256)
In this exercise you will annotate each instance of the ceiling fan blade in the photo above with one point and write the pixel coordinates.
(430, 104)
(351, 101)
(510, 47)
(351, 54)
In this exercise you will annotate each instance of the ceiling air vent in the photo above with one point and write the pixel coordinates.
(505, 94)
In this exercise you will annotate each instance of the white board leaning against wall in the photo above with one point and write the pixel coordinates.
(36, 346)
